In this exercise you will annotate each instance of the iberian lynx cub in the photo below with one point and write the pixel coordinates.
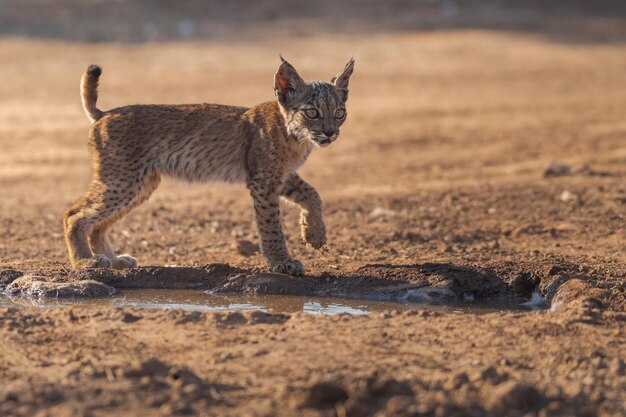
(134, 146)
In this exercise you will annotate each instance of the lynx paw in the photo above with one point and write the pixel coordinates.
(97, 261)
(314, 234)
(124, 261)
(290, 267)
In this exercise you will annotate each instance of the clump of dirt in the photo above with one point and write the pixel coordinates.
(259, 283)
(40, 287)
(514, 397)
(150, 383)
(248, 317)
(7, 276)
(247, 248)
(487, 392)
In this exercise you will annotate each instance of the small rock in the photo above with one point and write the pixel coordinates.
(513, 395)
(7, 276)
(324, 395)
(150, 367)
(189, 317)
(259, 317)
(41, 287)
(50, 394)
(554, 169)
(381, 212)
(487, 374)
(185, 377)
(231, 319)
(130, 318)
(576, 289)
(247, 248)
(567, 196)
(389, 388)
(458, 380)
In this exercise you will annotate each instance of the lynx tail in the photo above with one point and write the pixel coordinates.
(89, 92)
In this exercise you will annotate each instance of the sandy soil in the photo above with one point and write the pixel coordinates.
(437, 182)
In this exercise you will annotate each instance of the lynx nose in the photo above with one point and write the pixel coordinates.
(329, 133)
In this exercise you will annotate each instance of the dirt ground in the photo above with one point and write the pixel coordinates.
(476, 162)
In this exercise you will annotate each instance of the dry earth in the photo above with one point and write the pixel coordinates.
(437, 181)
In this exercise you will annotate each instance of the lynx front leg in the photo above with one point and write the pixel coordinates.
(312, 225)
(273, 246)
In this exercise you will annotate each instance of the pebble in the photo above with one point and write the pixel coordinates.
(381, 212)
(324, 395)
(246, 247)
(568, 196)
(513, 395)
(554, 169)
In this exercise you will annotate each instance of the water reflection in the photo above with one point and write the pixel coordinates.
(202, 301)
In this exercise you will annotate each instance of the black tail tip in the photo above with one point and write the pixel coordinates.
(94, 71)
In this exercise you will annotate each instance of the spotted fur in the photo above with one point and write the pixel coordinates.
(132, 147)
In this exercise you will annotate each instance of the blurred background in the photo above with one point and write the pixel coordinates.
(139, 21)
(456, 109)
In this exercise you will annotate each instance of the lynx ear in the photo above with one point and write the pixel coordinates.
(286, 81)
(342, 80)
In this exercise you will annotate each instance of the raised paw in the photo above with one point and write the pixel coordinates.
(290, 267)
(97, 261)
(124, 261)
(314, 234)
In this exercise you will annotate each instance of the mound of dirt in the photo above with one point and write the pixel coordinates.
(39, 287)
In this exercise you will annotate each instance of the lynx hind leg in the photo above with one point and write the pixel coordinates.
(100, 244)
(90, 223)
(78, 223)
(119, 205)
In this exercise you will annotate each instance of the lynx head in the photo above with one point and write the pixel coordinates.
(313, 111)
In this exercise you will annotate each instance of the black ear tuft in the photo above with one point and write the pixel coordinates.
(94, 71)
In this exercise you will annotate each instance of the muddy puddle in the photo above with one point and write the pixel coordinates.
(195, 300)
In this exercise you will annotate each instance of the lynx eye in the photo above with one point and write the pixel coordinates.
(311, 113)
(340, 113)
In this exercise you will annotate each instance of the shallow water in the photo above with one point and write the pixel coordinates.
(195, 300)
